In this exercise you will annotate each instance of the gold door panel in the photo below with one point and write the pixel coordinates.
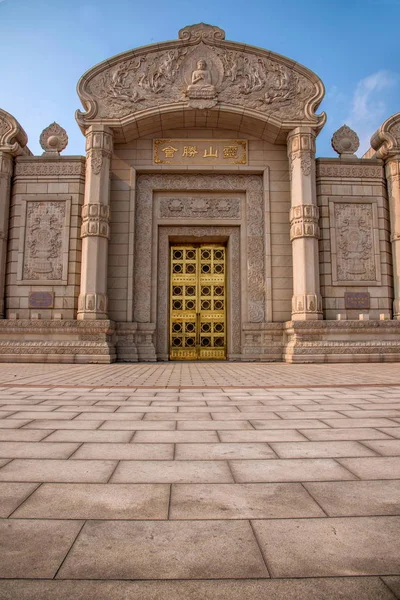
(198, 302)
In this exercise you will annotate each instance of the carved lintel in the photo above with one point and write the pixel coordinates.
(95, 220)
(95, 304)
(304, 221)
(307, 303)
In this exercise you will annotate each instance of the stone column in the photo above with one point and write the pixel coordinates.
(392, 171)
(304, 230)
(92, 303)
(6, 168)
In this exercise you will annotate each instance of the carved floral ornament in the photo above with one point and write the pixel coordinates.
(53, 139)
(345, 142)
(200, 70)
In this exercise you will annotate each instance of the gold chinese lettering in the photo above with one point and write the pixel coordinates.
(211, 153)
(189, 151)
(169, 151)
(230, 151)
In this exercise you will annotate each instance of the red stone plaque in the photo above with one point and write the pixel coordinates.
(356, 300)
(41, 300)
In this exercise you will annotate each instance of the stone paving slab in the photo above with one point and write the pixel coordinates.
(333, 588)
(253, 480)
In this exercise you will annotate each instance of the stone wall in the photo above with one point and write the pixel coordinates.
(44, 249)
(355, 251)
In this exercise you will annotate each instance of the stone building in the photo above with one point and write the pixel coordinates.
(199, 225)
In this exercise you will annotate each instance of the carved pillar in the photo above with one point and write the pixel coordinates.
(92, 303)
(304, 230)
(392, 170)
(6, 168)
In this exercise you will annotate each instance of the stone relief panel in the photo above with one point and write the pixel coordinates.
(200, 71)
(232, 235)
(355, 243)
(200, 207)
(255, 262)
(43, 256)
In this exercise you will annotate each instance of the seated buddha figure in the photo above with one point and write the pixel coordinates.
(201, 86)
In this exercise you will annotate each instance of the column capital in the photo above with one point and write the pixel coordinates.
(6, 164)
(99, 144)
(301, 145)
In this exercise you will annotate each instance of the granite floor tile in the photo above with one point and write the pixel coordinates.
(110, 416)
(36, 450)
(362, 422)
(175, 437)
(331, 588)
(362, 433)
(393, 431)
(178, 416)
(129, 425)
(24, 407)
(87, 435)
(48, 415)
(266, 435)
(289, 424)
(357, 498)
(68, 471)
(385, 447)
(222, 451)
(247, 415)
(171, 472)
(394, 584)
(13, 423)
(310, 415)
(49, 424)
(242, 501)
(330, 547)
(371, 414)
(307, 469)
(212, 425)
(22, 435)
(167, 550)
(87, 409)
(34, 548)
(7, 413)
(125, 451)
(320, 449)
(380, 467)
(11, 496)
(208, 409)
(96, 501)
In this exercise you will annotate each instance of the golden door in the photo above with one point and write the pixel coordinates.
(198, 302)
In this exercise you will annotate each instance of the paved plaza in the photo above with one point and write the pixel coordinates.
(200, 481)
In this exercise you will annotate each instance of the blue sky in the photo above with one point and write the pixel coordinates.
(46, 45)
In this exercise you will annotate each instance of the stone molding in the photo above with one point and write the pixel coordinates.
(304, 221)
(95, 220)
(164, 76)
(200, 208)
(43, 167)
(346, 171)
(251, 184)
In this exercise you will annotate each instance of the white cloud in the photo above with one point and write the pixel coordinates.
(368, 107)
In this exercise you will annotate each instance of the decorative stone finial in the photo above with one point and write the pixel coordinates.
(201, 31)
(345, 142)
(53, 139)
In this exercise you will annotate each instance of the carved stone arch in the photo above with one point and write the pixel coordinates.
(386, 140)
(13, 138)
(156, 88)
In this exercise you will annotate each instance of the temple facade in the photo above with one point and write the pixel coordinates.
(199, 225)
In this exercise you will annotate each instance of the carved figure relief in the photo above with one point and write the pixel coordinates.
(200, 207)
(355, 242)
(200, 70)
(43, 240)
